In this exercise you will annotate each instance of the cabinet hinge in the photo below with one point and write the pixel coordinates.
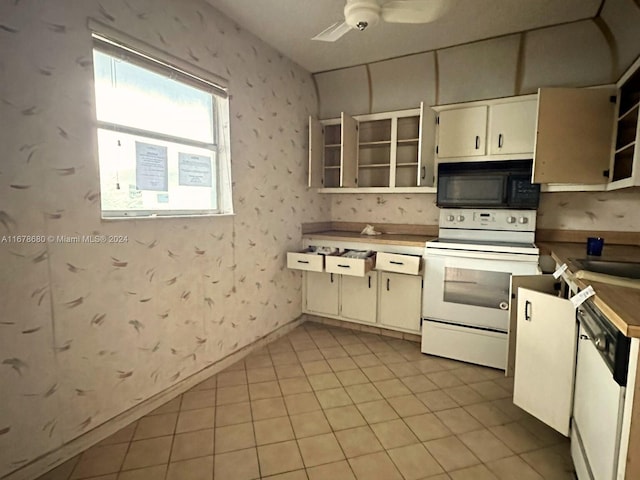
(605, 173)
(613, 99)
(557, 286)
(513, 296)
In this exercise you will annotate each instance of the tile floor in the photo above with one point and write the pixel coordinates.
(332, 403)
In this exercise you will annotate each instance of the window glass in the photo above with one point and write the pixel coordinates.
(163, 143)
(130, 95)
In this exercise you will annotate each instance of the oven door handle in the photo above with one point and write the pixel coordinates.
(527, 310)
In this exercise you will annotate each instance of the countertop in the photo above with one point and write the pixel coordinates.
(384, 239)
(620, 304)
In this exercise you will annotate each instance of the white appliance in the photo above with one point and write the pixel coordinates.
(467, 282)
(601, 377)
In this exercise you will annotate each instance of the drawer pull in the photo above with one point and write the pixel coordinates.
(395, 263)
(303, 261)
(344, 266)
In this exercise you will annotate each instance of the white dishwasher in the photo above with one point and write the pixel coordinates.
(601, 377)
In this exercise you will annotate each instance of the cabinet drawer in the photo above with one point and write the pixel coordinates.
(393, 262)
(357, 267)
(305, 260)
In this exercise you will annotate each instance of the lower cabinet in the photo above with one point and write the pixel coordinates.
(545, 357)
(324, 298)
(390, 300)
(400, 301)
(359, 297)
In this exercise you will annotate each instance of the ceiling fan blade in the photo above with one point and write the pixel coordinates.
(333, 33)
(414, 11)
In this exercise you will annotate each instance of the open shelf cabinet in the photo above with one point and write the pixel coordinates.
(625, 161)
(391, 150)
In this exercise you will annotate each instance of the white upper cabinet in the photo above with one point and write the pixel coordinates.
(333, 152)
(316, 153)
(384, 151)
(574, 131)
(502, 129)
(625, 161)
(512, 127)
(349, 151)
(462, 132)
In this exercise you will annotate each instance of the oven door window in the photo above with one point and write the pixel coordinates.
(477, 288)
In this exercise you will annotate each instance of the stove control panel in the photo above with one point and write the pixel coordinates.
(486, 219)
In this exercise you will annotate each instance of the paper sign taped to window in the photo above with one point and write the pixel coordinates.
(194, 170)
(151, 167)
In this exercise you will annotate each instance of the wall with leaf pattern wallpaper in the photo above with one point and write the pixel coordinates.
(88, 331)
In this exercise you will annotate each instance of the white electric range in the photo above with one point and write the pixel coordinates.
(467, 282)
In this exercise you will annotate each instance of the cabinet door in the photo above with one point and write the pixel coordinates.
(349, 152)
(426, 147)
(322, 292)
(545, 358)
(400, 301)
(462, 132)
(574, 133)
(540, 283)
(359, 297)
(316, 151)
(512, 127)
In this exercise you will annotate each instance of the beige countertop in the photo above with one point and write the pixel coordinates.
(384, 239)
(620, 304)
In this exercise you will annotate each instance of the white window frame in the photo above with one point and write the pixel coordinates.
(220, 148)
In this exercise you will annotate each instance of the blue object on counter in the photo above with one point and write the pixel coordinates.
(594, 246)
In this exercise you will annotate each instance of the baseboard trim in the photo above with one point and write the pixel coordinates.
(69, 450)
(384, 332)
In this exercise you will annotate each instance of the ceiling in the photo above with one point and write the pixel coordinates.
(288, 26)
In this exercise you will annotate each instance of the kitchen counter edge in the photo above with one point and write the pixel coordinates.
(620, 304)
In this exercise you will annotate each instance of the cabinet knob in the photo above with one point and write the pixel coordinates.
(523, 220)
(511, 219)
(450, 218)
(461, 218)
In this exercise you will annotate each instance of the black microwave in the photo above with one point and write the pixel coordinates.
(500, 184)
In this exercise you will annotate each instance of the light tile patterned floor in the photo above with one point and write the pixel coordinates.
(332, 403)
